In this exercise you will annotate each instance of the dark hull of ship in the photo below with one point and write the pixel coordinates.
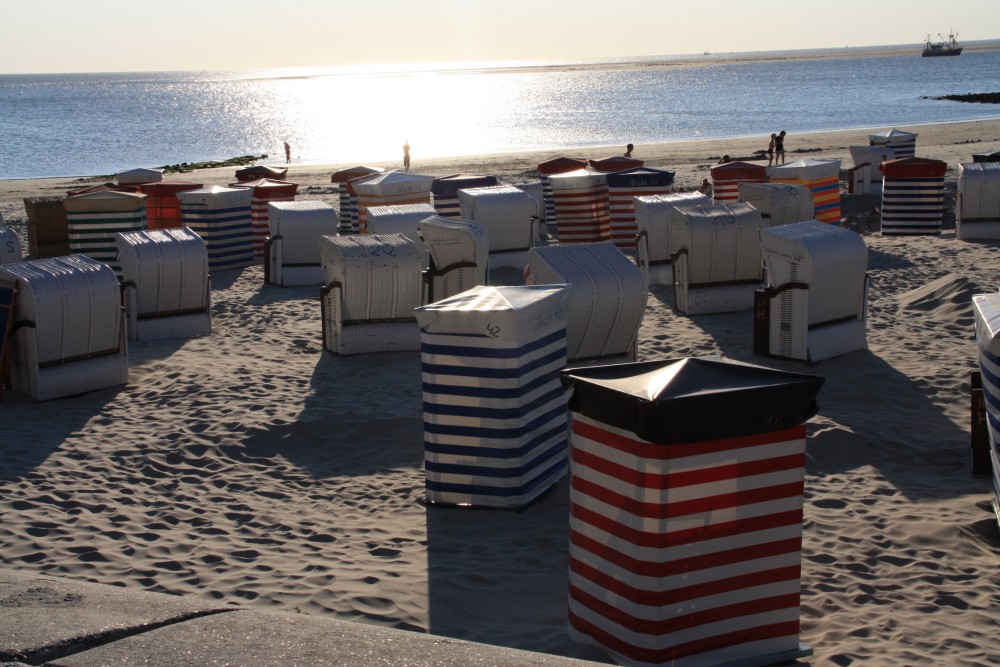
(930, 53)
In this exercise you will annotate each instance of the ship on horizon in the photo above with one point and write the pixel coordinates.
(946, 47)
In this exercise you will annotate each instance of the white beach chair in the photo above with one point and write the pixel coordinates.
(978, 206)
(986, 308)
(458, 251)
(495, 414)
(372, 286)
(607, 298)
(291, 251)
(165, 284)
(778, 203)
(69, 332)
(813, 306)
(10, 245)
(717, 262)
(401, 219)
(655, 242)
(865, 177)
(509, 215)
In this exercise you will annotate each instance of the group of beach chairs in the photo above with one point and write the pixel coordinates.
(525, 302)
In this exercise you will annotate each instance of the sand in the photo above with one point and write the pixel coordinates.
(251, 466)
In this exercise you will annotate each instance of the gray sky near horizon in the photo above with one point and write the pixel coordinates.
(71, 36)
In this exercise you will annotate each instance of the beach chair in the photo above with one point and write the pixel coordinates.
(68, 335)
(726, 179)
(94, 219)
(685, 520)
(221, 217)
(912, 196)
(389, 188)
(865, 177)
(623, 189)
(654, 241)
(372, 286)
(778, 203)
(986, 309)
(822, 177)
(165, 284)
(582, 206)
(458, 252)
(607, 298)
(139, 176)
(10, 245)
(510, 217)
(291, 250)
(401, 219)
(814, 302)
(348, 204)
(265, 191)
(978, 206)
(495, 419)
(444, 192)
(717, 261)
(48, 227)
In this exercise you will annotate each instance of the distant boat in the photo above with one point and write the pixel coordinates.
(946, 47)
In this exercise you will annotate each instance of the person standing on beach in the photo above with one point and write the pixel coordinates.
(770, 149)
(288, 152)
(628, 150)
(406, 155)
(779, 147)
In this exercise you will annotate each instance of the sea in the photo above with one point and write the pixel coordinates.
(102, 123)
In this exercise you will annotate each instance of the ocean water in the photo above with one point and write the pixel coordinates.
(97, 124)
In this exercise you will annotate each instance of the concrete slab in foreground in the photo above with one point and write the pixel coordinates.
(45, 619)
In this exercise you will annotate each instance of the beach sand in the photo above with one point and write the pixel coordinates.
(251, 466)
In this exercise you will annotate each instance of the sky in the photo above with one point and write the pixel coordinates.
(72, 36)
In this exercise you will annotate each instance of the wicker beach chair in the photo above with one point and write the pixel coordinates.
(778, 203)
(444, 192)
(48, 230)
(10, 245)
(717, 261)
(607, 298)
(458, 251)
(372, 286)
(509, 215)
(978, 206)
(813, 305)
(165, 284)
(291, 251)
(986, 309)
(654, 242)
(69, 332)
(401, 219)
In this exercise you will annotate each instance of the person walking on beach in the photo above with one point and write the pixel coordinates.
(628, 150)
(288, 152)
(406, 155)
(770, 149)
(779, 147)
